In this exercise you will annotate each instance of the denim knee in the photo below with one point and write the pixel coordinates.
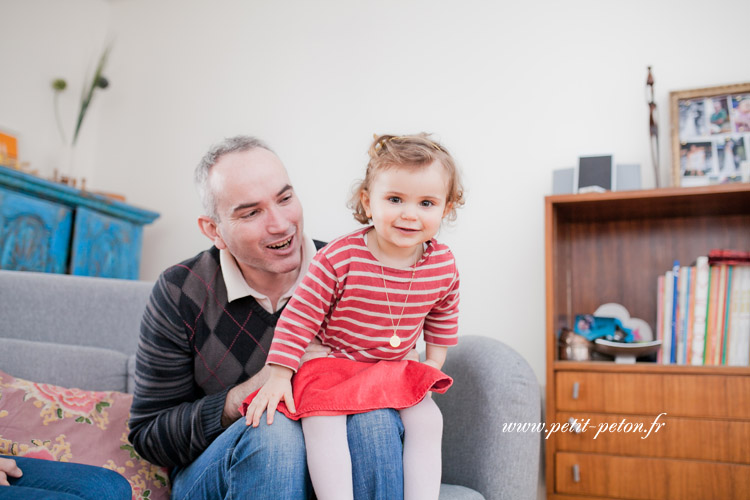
(106, 484)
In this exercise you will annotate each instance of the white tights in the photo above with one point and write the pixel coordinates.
(330, 464)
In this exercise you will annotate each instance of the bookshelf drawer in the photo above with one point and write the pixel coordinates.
(682, 438)
(686, 395)
(648, 478)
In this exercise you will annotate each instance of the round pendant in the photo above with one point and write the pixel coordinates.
(395, 341)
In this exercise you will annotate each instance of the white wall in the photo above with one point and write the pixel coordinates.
(514, 90)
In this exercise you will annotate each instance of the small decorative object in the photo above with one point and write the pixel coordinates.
(626, 353)
(573, 347)
(624, 348)
(59, 85)
(710, 134)
(653, 126)
(8, 150)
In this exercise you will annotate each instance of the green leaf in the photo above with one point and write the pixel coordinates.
(79, 420)
(59, 413)
(88, 95)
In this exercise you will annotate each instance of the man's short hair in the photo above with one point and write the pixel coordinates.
(229, 145)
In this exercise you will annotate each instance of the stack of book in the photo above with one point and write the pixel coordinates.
(703, 314)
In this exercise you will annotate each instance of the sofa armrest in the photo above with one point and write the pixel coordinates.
(493, 385)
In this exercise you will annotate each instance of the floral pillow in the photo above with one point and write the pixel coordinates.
(72, 425)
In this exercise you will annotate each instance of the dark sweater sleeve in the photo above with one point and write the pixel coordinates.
(171, 423)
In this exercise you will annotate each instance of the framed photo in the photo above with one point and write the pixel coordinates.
(710, 135)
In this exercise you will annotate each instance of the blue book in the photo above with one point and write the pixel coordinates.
(675, 310)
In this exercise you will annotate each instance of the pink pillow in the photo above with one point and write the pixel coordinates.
(72, 425)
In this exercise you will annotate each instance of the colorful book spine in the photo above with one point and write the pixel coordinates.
(713, 274)
(675, 311)
(719, 318)
(727, 309)
(684, 282)
(666, 346)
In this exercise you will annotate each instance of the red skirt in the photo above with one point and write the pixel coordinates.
(334, 386)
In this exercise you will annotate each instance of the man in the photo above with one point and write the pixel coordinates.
(204, 339)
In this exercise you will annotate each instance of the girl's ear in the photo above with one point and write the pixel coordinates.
(448, 208)
(364, 198)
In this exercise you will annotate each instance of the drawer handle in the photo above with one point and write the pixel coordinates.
(576, 473)
(575, 425)
(576, 389)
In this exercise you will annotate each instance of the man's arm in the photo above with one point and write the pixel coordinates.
(170, 423)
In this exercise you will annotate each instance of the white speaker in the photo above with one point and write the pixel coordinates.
(628, 177)
(563, 181)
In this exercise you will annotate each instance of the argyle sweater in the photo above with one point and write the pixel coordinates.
(194, 347)
(354, 304)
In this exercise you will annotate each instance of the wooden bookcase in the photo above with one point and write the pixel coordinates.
(611, 247)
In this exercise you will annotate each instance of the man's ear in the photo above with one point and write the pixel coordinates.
(209, 228)
(364, 198)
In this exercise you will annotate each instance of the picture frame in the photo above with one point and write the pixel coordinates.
(710, 135)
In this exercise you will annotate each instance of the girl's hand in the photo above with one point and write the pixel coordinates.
(277, 388)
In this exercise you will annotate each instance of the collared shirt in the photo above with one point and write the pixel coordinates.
(237, 287)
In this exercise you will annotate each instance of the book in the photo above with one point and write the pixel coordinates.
(700, 310)
(675, 311)
(725, 256)
(727, 313)
(682, 308)
(708, 341)
(690, 317)
(718, 330)
(666, 345)
(739, 339)
(659, 314)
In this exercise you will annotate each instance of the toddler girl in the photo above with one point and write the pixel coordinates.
(368, 295)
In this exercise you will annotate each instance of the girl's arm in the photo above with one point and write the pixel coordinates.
(435, 355)
(277, 388)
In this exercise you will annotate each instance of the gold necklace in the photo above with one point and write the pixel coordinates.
(395, 340)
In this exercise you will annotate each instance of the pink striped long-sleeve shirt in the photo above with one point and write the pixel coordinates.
(344, 299)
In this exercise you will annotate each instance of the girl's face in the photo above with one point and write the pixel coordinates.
(406, 206)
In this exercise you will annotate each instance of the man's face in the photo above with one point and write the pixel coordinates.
(260, 218)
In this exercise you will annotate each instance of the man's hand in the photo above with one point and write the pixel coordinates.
(8, 468)
(314, 350)
(238, 393)
(277, 388)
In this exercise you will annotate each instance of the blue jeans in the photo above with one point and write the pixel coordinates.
(268, 461)
(48, 480)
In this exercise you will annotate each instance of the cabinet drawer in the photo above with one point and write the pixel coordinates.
(686, 438)
(649, 478)
(686, 395)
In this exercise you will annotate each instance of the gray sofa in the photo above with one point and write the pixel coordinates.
(90, 326)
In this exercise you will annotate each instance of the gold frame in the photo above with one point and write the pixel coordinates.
(683, 95)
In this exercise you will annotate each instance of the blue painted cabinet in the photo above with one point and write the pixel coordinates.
(34, 233)
(50, 227)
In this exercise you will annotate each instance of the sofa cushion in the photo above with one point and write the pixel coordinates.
(90, 368)
(72, 425)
